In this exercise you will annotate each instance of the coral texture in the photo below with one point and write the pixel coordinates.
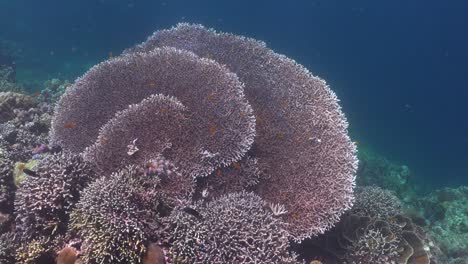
(447, 210)
(46, 197)
(117, 217)
(7, 248)
(236, 228)
(376, 202)
(239, 176)
(7, 186)
(302, 142)
(10, 101)
(221, 124)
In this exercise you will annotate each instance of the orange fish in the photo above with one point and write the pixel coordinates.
(70, 125)
(218, 172)
(36, 94)
(110, 55)
(103, 140)
(163, 110)
(212, 129)
(211, 96)
(280, 135)
(21, 166)
(152, 84)
(236, 165)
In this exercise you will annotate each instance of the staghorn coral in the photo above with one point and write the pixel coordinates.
(236, 228)
(117, 217)
(46, 197)
(221, 123)
(375, 202)
(302, 141)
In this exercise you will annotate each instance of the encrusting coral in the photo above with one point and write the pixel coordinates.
(301, 140)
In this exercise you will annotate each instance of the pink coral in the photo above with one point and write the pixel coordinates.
(302, 141)
(218, 126)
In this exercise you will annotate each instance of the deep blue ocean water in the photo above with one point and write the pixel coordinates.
(399, 67)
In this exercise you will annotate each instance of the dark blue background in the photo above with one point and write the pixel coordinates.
(400, 67)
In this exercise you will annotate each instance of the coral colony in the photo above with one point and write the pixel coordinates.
(193, 147)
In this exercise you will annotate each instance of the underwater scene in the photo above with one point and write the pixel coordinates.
(178, 132)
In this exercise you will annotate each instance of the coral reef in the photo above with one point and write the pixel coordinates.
(52, 90)
(221, 124)
(376, 202)
(7, 186)
(45, 198)
(378, 171)
(241, 175)
(369, 234)
(7, 248)
(10, 101)
(117, 217)
(301, 144)
(236, 228)
(447, 212)
(160, 146)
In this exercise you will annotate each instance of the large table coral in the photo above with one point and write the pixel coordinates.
(216, 106)
(301, 140)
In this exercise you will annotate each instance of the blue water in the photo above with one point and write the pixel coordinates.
(399, 67)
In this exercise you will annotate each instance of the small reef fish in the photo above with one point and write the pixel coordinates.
(70, 125)
(40, 149)
(212, 130)
(29, 172)
(236, 165)
(21, 166)
(154, 255)
(193, 212)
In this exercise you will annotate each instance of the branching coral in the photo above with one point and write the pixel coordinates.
(7, 248)
(302, 141)
(236, 228)
(10, 101)
(117, 217)
(239, 176)
(46, 197)
(220, 120)
(7, 186)
(374, 201)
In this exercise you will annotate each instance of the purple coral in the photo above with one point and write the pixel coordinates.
(219, 126)
(374, 201)
(117, 217)
(302, 141)
(236, 228)
(44, 200)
